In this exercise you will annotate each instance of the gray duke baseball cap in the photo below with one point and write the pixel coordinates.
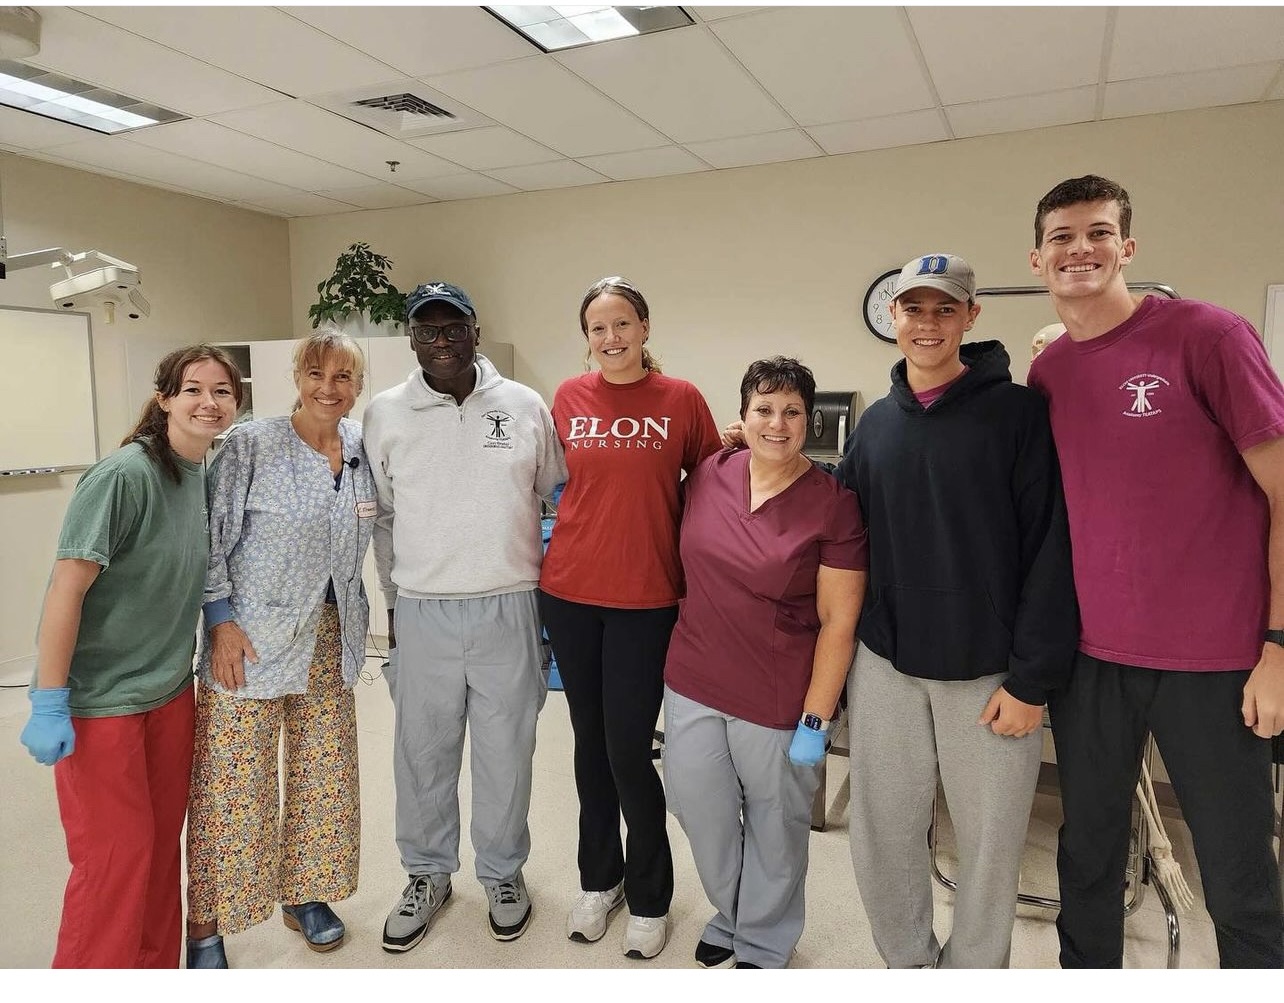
(947, 272)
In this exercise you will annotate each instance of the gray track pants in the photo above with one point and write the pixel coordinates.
(458, 662)
(746, 810)
(904, 731)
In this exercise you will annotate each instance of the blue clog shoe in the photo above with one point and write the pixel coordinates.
(321, 928)
(206, 953)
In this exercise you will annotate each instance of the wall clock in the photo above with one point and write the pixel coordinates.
(877, 306)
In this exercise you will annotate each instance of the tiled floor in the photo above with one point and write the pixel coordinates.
(33, 870)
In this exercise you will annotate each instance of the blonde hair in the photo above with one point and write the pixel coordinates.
(617, 285)
(326, 341)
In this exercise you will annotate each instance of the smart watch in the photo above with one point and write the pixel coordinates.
(816, 724)
(1275, 637)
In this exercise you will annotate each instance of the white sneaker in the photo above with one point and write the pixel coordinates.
(645, 936)
(587, 920)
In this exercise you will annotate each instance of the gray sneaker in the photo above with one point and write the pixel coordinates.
(419, 903)
(510, 908)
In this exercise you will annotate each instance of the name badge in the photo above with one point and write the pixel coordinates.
(366, 509)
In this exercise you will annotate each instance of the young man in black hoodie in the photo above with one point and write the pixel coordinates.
(970, 620)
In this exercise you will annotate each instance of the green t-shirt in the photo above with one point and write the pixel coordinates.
(138, 622)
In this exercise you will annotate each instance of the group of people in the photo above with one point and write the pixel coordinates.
(1104, 544)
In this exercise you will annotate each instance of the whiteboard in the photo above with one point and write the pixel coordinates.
(47, 413)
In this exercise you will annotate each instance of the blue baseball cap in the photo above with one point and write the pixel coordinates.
(429, 292)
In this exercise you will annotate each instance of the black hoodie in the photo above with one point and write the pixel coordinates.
(969, 549)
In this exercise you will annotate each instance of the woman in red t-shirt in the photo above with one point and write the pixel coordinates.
(609, 591)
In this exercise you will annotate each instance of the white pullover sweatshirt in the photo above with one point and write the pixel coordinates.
(459, 486)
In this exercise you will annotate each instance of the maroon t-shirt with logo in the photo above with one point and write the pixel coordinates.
(627, 445)
(1168, 527)
(746, 632)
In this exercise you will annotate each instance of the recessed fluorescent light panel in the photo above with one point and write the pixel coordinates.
(29, 88)
(555, 27)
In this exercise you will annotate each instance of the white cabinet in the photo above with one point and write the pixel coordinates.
(388, 362)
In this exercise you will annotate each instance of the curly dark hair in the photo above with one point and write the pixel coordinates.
(779, 373)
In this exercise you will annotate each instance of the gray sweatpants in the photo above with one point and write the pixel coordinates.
(458, 662)
(904, 731)
(746, 810)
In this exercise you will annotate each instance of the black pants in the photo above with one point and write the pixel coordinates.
(612, 666)
(1221, 773)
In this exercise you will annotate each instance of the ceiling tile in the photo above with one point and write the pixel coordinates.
(420, 41)
(830, 64)
(702, 93)
(376, 196)
(145, 164)
(323, 134)
(562, 174)
(544, 100)
(28, 131)
(260, 43)
(716, 13)
(1151, 41)
(1035, 111)
(217, 144)
(462, 186)
(908, 129)
(765, 149)
(300, 204)
(1205, 89)
(977, 53)
(485, 149)
(85, 48)
(645, 163)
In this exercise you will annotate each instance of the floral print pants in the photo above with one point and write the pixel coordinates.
(245, 852)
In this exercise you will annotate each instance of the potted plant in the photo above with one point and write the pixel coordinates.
(358, 293)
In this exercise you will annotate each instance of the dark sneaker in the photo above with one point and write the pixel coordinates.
(419, 903)
(510, 908)
(712, 956)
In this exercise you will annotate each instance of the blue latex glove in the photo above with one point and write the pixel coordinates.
(808, 746)
(49, 735)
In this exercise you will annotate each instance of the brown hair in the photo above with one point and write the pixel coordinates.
(152, 430)
(616, 285)
(312, 351)
(1089, 188)
(778, 374)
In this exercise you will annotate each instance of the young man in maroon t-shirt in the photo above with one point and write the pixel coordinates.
(1169, 424)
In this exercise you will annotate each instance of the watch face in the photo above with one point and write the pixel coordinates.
(877, 306)
(813, 722)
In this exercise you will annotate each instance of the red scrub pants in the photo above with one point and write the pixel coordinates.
(122, 796)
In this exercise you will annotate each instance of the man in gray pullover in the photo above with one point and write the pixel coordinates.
(461, 457)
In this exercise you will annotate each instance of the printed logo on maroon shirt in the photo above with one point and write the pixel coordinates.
(591, 432)
(1142, 390)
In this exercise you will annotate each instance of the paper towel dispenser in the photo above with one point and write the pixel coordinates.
(832, 418)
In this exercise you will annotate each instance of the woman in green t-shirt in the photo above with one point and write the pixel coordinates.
(112, 696)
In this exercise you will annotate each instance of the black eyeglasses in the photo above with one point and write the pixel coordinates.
(426, 334)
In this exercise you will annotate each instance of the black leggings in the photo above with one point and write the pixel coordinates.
(611, 662)
(1221, 773)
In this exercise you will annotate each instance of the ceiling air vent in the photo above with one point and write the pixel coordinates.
(406, 104)
(413, 110)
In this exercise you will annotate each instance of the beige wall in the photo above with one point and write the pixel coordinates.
(745, 263)
(211, 273)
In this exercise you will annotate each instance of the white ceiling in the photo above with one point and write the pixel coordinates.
(744, 85)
